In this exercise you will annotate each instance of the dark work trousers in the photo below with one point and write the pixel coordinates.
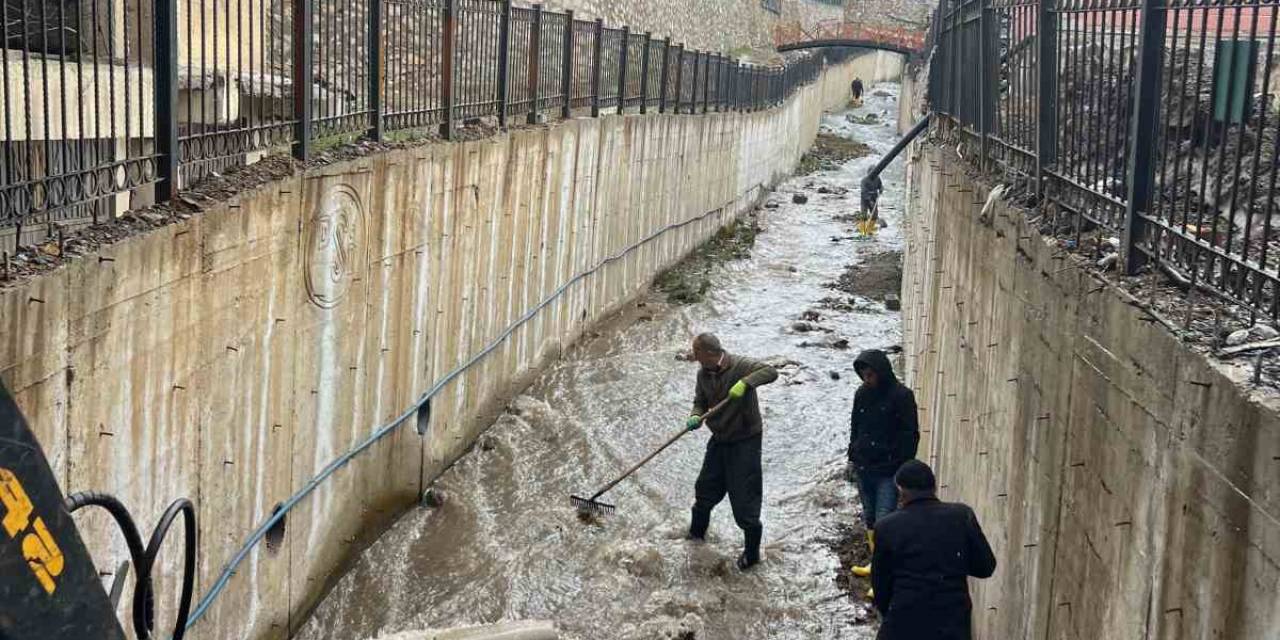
(733, 468)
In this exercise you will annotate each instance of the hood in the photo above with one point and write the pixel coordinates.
(877, 361)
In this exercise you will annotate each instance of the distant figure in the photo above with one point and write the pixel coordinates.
(732, 461)
(869, 218)
(857, 89)
(925, 553)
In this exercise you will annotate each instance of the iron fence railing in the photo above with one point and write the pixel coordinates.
(113, 105)
(1151, 124)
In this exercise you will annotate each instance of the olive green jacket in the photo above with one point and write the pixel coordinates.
(740, 419)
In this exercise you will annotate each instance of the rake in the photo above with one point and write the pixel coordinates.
(591, 506)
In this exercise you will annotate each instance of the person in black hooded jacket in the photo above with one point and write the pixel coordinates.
(884, 432)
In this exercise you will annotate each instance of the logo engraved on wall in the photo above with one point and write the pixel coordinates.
(335, 246)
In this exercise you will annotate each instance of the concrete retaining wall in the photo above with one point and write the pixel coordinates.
(1130, 487)
(231, 357)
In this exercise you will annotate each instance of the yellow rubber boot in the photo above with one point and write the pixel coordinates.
(865, 570)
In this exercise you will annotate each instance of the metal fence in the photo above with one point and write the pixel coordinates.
(113, 105)
(1149, 124)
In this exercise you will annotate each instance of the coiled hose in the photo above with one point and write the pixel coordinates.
(144, 558)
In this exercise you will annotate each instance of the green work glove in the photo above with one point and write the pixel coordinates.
(737, 390)
(693, 422)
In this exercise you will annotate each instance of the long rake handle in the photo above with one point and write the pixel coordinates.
(655, 453)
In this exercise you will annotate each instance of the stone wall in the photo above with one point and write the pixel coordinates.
(230, 358)
(726, 26)
(1130, 486)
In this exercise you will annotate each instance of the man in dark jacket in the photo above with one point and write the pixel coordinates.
(856, 88)
(925, 553)
(732, 462)
(884, 433)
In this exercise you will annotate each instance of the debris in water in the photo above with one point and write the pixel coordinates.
(828, 343)
(434, 498)
(802, 327)
(892, 302)
(835, 375)
(800, 198)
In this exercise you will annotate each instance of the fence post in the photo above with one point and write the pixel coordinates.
(535, 63)
(504, 61)
(622, 69)
(679, 76)
(595, 68)
(697, 72)
(166, 99)
(1142, 130)
(665, 75)
(301, 79)
(644, 73)
(706, 83)
(1047, 108)
(375, 70)
(448, 60)
(734, 72)
(722, 91)
(983, 89)
(566, 62)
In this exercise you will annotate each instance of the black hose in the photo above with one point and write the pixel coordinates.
(132, 540)
(146, 613)
(144, 559)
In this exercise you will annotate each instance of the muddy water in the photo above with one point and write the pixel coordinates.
(505, 545)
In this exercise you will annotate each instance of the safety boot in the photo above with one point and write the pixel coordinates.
(864, 571)
(698, 526)
(751, 549)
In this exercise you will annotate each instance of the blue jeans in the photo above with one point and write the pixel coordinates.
(879, 496)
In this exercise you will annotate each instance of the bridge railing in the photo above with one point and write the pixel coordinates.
(1149, 126)
(795, 35)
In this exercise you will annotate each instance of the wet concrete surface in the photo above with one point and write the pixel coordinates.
(505, 543)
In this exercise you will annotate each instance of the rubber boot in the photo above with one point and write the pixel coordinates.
(698, 526)
(865, 570)
(751, 550)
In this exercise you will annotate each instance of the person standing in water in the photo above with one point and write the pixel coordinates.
(857, 89)
(732, 461)
(884, 432)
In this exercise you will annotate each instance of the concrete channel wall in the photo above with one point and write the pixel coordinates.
(231, 357)
(1130, 487)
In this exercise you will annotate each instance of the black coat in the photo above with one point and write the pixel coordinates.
(884, 431)
(924, 555)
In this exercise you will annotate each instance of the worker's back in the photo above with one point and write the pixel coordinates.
(924, 554)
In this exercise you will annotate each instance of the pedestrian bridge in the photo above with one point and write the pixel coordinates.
(839, 33)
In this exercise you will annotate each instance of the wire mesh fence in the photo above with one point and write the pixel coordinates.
(1152, 122)
(113, 105)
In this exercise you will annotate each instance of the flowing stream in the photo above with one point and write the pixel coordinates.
(506, 545)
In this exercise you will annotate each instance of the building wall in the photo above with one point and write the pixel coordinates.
(231, 357)
(1129, 485)
(725, 26)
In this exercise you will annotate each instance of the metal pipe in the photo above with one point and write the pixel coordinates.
(897, 148)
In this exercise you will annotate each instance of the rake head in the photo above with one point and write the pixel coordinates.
(587, 506)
